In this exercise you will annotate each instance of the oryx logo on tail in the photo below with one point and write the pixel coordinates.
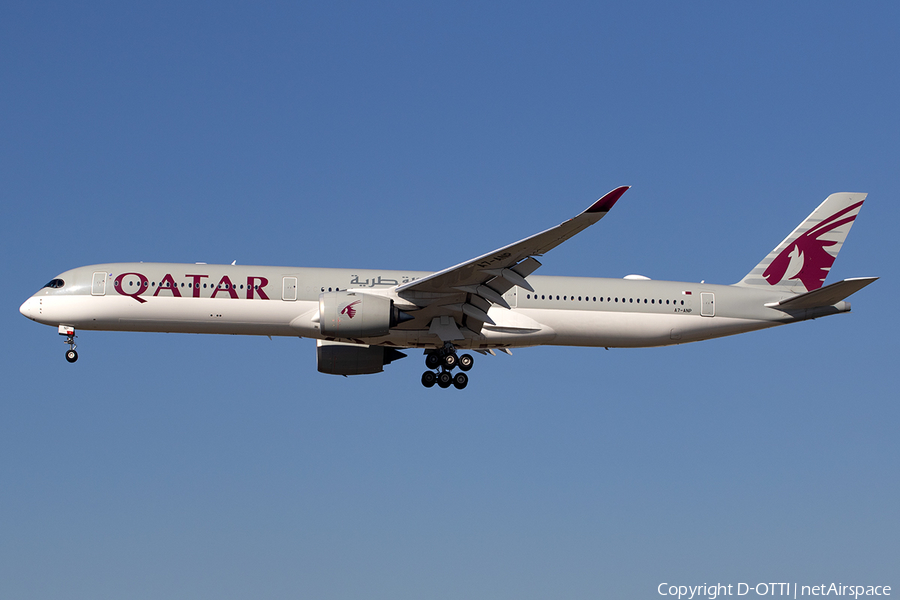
(806, 258)
(802, 261)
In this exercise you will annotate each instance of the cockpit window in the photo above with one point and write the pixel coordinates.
(55, 283)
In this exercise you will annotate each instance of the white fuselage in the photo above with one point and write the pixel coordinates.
(284, 301)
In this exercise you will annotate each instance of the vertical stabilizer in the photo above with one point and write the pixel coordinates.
(801, 262)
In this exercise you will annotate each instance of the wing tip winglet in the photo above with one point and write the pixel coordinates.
(605, 203)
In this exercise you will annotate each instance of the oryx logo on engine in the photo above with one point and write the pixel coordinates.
(350, 309)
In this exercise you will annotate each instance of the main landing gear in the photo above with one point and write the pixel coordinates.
(69, 332)
(442, 362)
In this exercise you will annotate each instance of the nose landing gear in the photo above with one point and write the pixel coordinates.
(69, 332)
(446, 360)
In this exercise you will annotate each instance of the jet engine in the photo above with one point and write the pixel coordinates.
(357, 315)
(336, 358)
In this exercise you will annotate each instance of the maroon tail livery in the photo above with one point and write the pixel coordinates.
(803, 260)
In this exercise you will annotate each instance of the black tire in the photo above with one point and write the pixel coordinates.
(71, 356)
(432, 360)
(460, 381)
(466, 361)
(428, 378)
(450, 361)
(444, 379)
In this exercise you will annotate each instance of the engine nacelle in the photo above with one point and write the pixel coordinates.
(336, 358)
(356, 315)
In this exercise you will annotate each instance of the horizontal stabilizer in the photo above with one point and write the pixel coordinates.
(826, 296)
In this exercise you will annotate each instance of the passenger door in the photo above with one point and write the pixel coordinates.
(289, 289)
(707, 304)
(98, 284)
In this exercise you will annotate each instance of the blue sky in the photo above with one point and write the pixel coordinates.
(416, 136)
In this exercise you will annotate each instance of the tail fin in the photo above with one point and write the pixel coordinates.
(801, 262)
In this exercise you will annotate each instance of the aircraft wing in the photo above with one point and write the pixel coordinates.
(487, 267)
(483, 280)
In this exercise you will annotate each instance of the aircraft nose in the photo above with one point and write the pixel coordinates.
(29, 308)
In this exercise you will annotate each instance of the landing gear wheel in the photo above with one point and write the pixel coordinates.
(432, 361)
(428, 378)
(450, 361)
(444, 379)
(71, 356)
(460, 381)
(465, 362)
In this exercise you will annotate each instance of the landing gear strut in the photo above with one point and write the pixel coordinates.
(69, 332)
(442, 362)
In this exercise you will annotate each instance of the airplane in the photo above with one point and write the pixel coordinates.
(361, 319)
